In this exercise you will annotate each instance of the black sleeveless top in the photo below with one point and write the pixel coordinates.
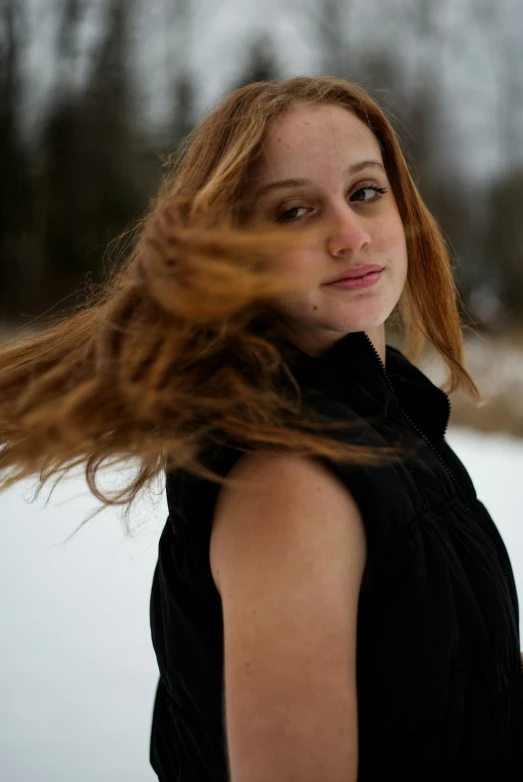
(439, 674)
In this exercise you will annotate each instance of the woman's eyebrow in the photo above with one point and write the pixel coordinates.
(286, 183)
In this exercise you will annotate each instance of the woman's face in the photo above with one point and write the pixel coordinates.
(339, 162)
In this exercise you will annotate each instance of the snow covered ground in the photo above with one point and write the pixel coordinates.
(78, 671)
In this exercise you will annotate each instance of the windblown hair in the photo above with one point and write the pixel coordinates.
(177, 349)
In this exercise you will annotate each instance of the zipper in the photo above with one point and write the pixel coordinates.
(447, 468)
(411, 422)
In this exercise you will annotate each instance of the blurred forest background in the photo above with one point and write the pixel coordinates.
(95, 93)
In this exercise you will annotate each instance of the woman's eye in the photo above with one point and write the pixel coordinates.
(378, 192)
(288, 216)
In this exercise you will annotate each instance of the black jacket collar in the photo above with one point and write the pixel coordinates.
(351, 369)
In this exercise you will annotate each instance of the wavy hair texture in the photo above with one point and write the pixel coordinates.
(177, 349)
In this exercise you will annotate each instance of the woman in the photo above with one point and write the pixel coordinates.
(331, 599)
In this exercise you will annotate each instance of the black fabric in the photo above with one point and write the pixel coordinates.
(440, 681)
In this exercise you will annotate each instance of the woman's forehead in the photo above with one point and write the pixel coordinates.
(305, 133)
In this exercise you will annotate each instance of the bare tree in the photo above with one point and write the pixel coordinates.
(506, 60)
(262, 62)
(86, 188)
(16, 217)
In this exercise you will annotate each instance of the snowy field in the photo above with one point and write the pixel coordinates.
(78, 671)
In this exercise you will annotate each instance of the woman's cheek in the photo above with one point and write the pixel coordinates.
(390, 234)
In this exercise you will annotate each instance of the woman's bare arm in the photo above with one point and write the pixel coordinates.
(288, 561)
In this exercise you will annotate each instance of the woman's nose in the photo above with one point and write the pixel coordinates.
(347, 234)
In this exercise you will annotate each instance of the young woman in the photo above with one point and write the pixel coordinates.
(331, 601)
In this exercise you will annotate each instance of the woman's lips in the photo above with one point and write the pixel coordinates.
(356, 283)
(354, 272)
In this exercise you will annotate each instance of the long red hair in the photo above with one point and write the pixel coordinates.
(177, 349)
